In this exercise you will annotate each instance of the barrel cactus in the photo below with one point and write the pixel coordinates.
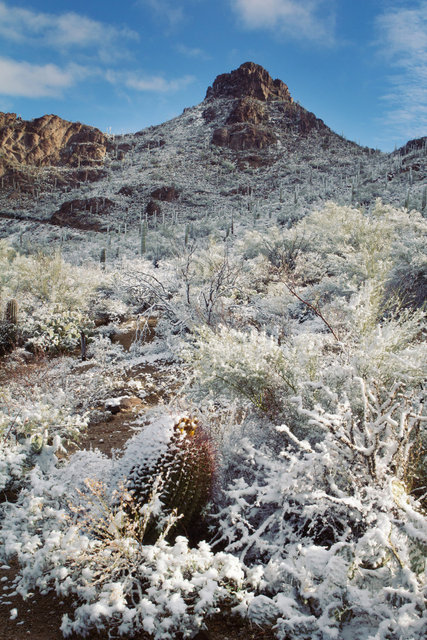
(186, 470)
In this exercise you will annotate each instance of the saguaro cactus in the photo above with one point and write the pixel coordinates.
(102, 258)
(143, 242)
(11, 313)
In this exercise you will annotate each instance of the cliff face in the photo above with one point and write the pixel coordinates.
(250, 80)
(254, 101)
(48, 141)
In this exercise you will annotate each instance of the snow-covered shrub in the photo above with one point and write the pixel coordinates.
(44, 278)
(17, 458)
(89, 546)
(104, 353)
(346, 244)
(332, 520)
(31, 432)
(344, 239)
(392, 349)
(54, 330)
(252, 365)
(45, 415)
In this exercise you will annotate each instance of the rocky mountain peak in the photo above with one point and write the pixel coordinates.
(249, 80)
(48, 140)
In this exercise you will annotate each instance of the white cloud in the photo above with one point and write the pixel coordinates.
(310, 20)
(192, 52)
(62, 31)
(165, 11)
(141, 82)
(402, 41)
(36, 81)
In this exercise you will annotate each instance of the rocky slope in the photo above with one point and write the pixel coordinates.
(247, 147)
(48, 141)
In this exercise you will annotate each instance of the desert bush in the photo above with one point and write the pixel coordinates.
(89, 544)
(54, 330)
(252, 365)
(31, 433)
(332, 520)
(43, 278)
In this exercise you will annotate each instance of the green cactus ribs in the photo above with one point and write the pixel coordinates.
(186, 471)
(11, 313)
(9, 327)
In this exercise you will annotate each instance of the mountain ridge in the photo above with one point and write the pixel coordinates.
(248, 145)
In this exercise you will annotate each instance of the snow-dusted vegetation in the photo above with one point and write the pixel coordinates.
(292, 360)
(213, 361)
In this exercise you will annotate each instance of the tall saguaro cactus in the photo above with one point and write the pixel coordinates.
(11, 313)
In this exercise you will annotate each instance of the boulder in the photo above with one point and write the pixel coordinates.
(165, 194)
(88, 214)
(153, 208)
(248, 110)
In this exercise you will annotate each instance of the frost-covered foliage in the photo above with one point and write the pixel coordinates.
(31, 432)
(44, 278)
(252, 365)
(53, 297)
(54, 331)
(341, 540)
(85, 539)
(302, 347)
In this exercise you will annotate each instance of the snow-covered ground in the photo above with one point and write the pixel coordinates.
(290, 327)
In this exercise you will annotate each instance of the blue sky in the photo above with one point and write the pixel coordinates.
(360, 65)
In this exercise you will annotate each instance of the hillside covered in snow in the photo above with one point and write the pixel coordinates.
(212, 375)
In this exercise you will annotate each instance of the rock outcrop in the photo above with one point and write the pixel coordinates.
(250, 80)
(248, 110)
(241, 137)
(412, 145)
(259, 108)
(153, 208)
(89, 214)
(48, 141)
(165, 194)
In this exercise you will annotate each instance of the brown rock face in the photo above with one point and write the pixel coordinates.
(255, 101)
(48, 140)
(165, 194)
(153, 208)
(248, 110)
(240, 137)
(412, 145)
(86, 214)
(250, 80)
